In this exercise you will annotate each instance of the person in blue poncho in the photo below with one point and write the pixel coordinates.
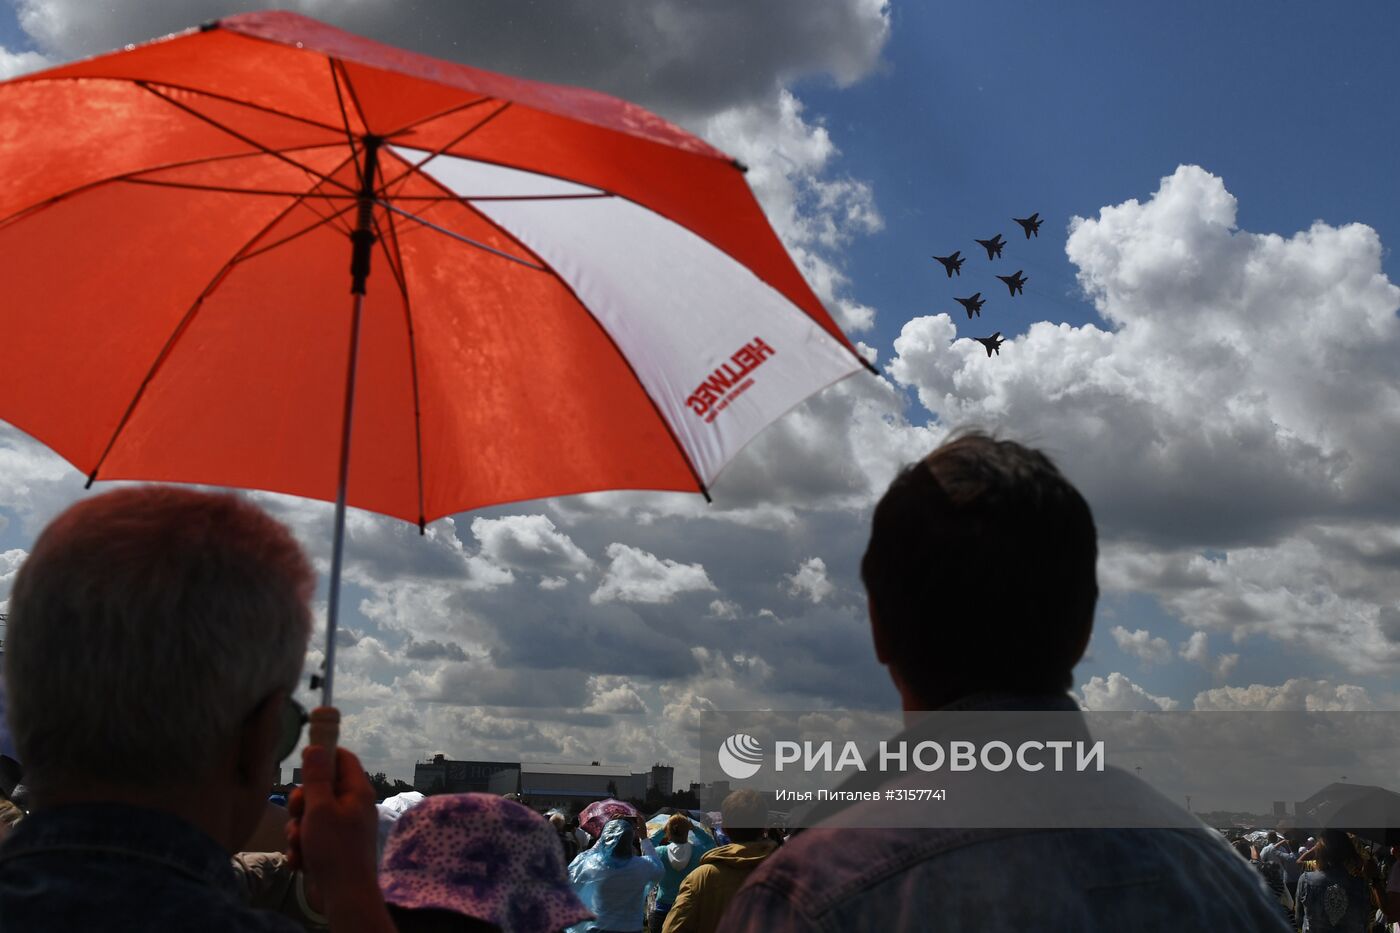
(681, 844)
(612, 879)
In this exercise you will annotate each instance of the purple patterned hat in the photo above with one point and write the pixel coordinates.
(482, 856)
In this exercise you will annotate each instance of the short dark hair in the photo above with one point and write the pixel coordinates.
(981, 570)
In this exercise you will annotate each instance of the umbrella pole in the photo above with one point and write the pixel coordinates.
(325, 720)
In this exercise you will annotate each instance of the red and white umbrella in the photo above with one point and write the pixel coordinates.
(555, 290)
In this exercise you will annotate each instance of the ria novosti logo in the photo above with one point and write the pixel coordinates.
(740, 756)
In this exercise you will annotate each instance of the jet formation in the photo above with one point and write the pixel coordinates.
(993, 246)
(973, 305)
(992, 343)
(952, 263)
(1030, 224)
(1015, 283)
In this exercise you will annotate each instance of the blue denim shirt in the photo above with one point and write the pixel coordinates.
(107, 867)
(840, 878)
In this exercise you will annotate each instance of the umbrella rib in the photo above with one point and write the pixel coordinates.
(141, 82)
(125, 176)
(229, 189)
(345, 118)
(417, 166)
(457, 236)
(354, 98)
(452, 196)
(321, 222)
(528, 197)
(394, 258)
(241, 137)
(304, 200)
(180, 329)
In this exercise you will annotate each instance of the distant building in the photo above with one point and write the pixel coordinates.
(441, 775)
(662, 779)
(710, 795)
(1280, 808)
(547, 784)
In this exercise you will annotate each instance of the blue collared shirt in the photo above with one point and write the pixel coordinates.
(109, 867)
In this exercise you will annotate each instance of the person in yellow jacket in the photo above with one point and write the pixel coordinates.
(707, 891)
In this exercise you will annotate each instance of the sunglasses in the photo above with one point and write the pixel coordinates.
(294, 719)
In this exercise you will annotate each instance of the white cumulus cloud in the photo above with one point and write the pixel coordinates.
(637, 576)
(1116, 693)
(1292, 694)
(1142, 645)
(809, 581)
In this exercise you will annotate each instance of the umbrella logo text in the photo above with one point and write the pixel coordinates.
(729, 381)
(741, 756)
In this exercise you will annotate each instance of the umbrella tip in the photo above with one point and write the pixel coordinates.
(870, 366)
(739, 165)
(422, 526)
(208, 24)
(91, 477)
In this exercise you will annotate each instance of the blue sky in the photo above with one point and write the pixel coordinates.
(991, 110)
(1230, 423)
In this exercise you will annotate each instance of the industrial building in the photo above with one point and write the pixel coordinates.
(441, 775)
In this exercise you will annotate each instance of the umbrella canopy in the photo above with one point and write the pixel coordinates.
(556, 291)
(599, 813)
(567, 294)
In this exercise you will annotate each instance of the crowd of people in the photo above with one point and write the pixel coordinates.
(156, 635)
(1332, 881)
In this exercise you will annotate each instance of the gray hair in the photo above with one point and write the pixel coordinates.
(144, 626)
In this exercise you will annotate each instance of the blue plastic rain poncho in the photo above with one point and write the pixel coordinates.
(677, 861)
(612, 881)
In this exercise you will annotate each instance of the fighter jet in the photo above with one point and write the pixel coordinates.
(952, 263)
(993, 246)
(973, 304)
(1030, 224)
(1014, 282)
(992, 343)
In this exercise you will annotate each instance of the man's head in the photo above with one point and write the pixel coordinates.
(150, 630)
(981, 573)
(745, 816)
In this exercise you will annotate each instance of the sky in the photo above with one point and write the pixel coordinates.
(1207, 345)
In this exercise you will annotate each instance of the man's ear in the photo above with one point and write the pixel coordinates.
(877, 633)
(257, 739)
